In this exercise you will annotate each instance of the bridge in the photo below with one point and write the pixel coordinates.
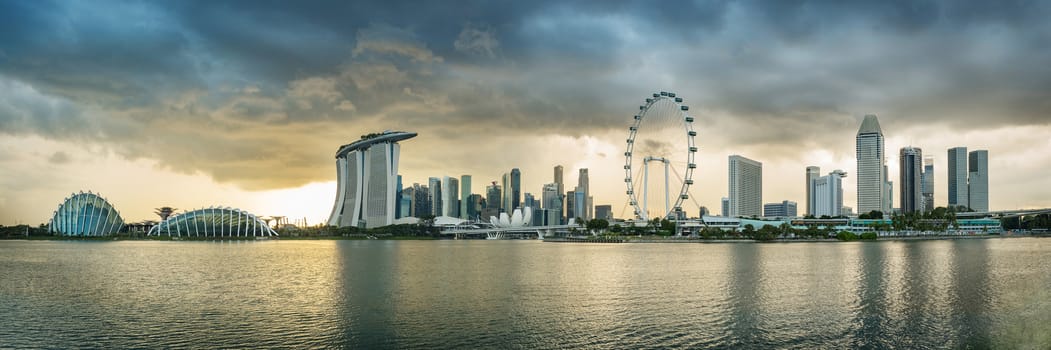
(506, 232)
(1001, 214)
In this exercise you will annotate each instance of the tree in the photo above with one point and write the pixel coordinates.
(786, 229)
(875, 214)
(597, 225)
(749, 230)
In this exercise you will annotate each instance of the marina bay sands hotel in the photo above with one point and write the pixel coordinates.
(367, 173)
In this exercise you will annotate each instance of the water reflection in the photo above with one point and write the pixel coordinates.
(970, 295)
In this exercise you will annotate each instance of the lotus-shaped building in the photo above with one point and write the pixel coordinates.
(213, 222)
(85, 214)
(520, 217)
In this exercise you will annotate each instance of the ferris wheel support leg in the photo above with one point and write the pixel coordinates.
(667, 199)
(645, 189)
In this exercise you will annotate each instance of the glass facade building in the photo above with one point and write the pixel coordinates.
(213, 222)
(85, 214)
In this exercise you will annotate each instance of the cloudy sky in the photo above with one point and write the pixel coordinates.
(243, 104)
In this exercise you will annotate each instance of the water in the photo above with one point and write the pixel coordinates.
(525, 294)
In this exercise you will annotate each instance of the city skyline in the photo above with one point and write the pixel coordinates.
(183, 105)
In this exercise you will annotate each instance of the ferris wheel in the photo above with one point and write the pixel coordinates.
(662, 134)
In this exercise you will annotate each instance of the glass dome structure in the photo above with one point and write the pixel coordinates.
(213, 222)
(85, 214)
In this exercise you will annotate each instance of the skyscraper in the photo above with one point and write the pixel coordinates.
(516, 189)
(580, 203)
(450, 199)
(978, 180)
(571, 204)
(812, 173)
(725, 202)
(465, 195)
(828, 194)
(928, 183)
(561, 189)
(958, 176)
(871, 160)
(746, 187)
(505, 201)
(435, 185)
(552, 201)
(604, 212)
(493, 197)
(366, 174)
(398, 199)
(911, 179)
(582, 185)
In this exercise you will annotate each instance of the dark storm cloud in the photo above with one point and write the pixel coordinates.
(248, 72)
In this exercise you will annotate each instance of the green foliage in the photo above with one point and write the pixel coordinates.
(846, 236)
(869, 236)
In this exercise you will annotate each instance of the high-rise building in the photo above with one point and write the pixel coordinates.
(828, 194)
(911, 179)
(529, 201)
(812, 173)
(580, 203)
(561, 189)
(493, 197)
(780, 210)
(978, 180)
(746, 187)
(421, 201)
(872, 178)
(927, 187)
(407, 196)
(571, 205)
(583, 185)
(516, 189)
(958, 176)
(465, 195)
(725, 207)
(474, 206)
(450, 199)
(505, 201)
(435, 185)
(552, 201)
(604, 212)
(398, 199)
(366, 174)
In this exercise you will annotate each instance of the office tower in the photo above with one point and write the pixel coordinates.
(366, 174)
(780, 210)
(812, 173)
(465, 194)
(505, 202)
(583, 185)
(450, 197)
(421, 205)
(872, 178)
(978, 180)
(958, 176)
(516, 189)
(529, 201)
(493, 197)
(474, 206)
(435, 184)
(746, 187)
(408, 198)
(928, 183)
(704, 211)
(604, 212)
(580, 203)
(725, 207)
(561, 189)
(552, 201)
(571, 204)
(828, 194)
(911, 179)
(397, 199)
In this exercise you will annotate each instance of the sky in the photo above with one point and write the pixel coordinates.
(243, 103)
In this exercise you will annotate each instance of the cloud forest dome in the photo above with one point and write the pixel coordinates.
(86, 214)
(214, 222)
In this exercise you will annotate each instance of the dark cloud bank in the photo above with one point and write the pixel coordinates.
(259, 94)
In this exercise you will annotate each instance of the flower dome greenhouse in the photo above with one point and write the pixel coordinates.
(85, 214)
(213, 222)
